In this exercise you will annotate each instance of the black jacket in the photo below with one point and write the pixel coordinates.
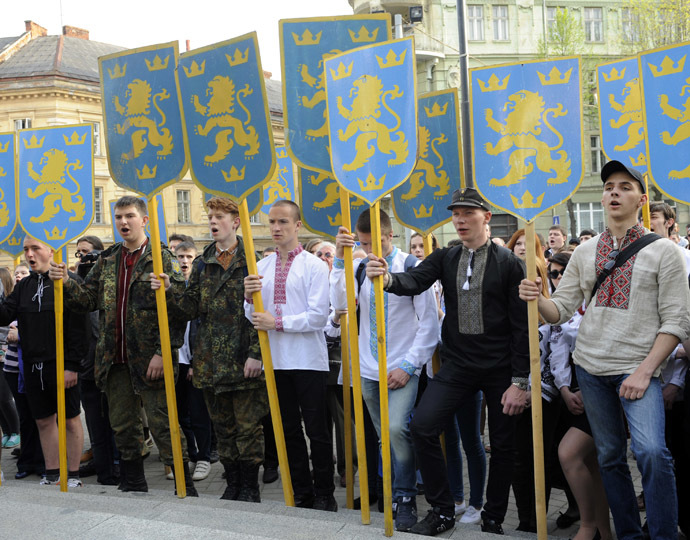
(31, 304)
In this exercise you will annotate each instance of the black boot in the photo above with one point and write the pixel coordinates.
(249, 482)
(123, 475)
(134, 479)
(188, 482)
(232, 478)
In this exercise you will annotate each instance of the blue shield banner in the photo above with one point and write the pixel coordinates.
(372, 117)
(319, 194)
(254, 200)
(620, 113)
(161, 220)
(55, 182)
(8, 214)
(14, 244)
(141, 112)
(283, 185)
(526, 121)
(421, 203)
(227, 123)
(666, 109)
(305, 44)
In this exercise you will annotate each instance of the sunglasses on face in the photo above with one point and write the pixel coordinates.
(555, 274)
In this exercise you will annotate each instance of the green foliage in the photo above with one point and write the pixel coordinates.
(648, 24)
(565, 37)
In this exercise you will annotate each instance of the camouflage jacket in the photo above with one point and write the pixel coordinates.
(99, 293)
(225, 338)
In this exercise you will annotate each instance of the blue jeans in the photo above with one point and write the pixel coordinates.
(465, 425)
(400, 405)
(645, 418)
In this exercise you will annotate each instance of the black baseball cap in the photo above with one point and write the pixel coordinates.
(468, 197)
(616, 166)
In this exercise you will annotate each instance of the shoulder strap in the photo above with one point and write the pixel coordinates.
(623, 256)
(360, 274)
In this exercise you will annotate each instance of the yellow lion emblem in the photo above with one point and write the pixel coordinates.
(520, 130)
(137, 113)
(277, 188)
(319, 84)
(4, 212)
(631, 114)
(683, 131)
(219, 111)
(55, 168)
(424, 170)
(363, 115)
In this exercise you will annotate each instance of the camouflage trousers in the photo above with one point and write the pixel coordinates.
(236, 418)
(126, 422)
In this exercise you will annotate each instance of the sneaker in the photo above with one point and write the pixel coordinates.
(406, 515)
(47, 482)
(434, 523)
(460, 508)
(74, 483)
(13, 441)
(5, 438)
(168, 473)
(490, 526)
(327, 503)
(472, 515)
(202, 470)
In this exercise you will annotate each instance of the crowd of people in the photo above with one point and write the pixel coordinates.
(614, 323)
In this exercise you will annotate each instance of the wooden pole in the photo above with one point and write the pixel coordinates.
(646, 216)
(353, 338)
(60, 369)
(347, 413)
(535, 375)
(383, 375)
(267, 359)
(166, 350)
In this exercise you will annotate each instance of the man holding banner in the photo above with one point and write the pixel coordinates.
(129, 363)
(637, 312)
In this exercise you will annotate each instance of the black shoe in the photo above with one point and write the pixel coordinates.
(357, 503)
(249, 482)
(434, 523)
(327, 503)
(188, 482)
(16, 452)
(304, 501)
(22, 474)
(566, 520)
(526, 527)
(87, 469)
(214, 457)
(490, 526)
(406, 515)
(232, 478)
(133, 478)
(270, 475)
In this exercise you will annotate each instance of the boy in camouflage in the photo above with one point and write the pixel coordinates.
(226, 353)
(129, 362)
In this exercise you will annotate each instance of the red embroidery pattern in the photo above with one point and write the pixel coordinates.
(615, 291)
(281, 274)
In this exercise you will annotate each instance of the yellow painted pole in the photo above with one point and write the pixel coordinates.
(383, 375)
(60, 369)
(17, 260)
(347, 413)
(166, 350)
(273, 402)
(535, 375)
(353, 337)
(646, 216)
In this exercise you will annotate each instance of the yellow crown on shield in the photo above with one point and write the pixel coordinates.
(238, 58)
(14, 241)
(146, 173)
(157, 63)
(282, 153)
(194, 69)
(307, 38)
(4, 147)
(342, 71)
(364, 36)
(56, 234)
(422, 211)
(334, 221)
(2, 173)
(614, 75)
(392, 60)
(667, 67)
(372, 183)
(117, 71)
(527, 200)
(436, 110)
(555, 77)
(33, 142)
(234, 175)
(494, 83)
(640, 161)
(74, 139)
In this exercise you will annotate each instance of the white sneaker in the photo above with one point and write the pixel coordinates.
(45, 482)
(169, 473)
(202, 470)
(460, 508)
(472, 515)
(74, 483)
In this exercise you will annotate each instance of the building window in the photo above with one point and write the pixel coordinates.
(598, 158)
(183, 206)
(501, 23)
(96, 138)
(98, 206)
(629, 26)
(594, 24)
(589, 216)
(23, 123)
(254, 219)
(475, 18)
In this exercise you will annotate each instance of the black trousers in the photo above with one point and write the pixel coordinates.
(193, 416)
(31, 456)
(102, 440)
(678, 442)
(440, 402)
(302, 396)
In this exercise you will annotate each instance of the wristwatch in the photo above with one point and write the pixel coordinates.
(521, 382)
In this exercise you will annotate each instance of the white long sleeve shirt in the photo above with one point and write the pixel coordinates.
(411, 322)
(297, 296)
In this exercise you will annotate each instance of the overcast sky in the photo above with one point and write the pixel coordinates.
(135, 23)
